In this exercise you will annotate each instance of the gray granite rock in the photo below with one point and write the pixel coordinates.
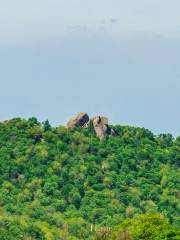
(81, 120)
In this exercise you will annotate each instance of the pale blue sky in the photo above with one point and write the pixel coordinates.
(119, 58)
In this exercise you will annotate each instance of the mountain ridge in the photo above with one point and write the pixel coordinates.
(63, 183)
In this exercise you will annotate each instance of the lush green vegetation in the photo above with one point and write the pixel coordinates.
(65, 184)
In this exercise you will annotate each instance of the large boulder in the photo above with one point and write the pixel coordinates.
(81, 120)
(100, 124)
(101, 127)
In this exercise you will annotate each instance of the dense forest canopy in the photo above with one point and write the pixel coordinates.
(62, 184)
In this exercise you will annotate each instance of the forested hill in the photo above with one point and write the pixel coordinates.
(62, 184)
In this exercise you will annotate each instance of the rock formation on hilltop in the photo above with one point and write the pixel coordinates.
(101, 127)
(81, 120)
(100, 124)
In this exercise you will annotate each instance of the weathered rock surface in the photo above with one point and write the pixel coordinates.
(81, 120)
(100, 124)
(101, 127)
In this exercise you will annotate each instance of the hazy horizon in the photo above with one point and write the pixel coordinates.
(114, 58)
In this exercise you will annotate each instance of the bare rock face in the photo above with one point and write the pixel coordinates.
(101, 127)
(81, 120)
(100, 124)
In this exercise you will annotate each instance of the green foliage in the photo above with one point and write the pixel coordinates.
(152, 227)
(58, 184)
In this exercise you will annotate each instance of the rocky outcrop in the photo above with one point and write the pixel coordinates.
(101, 127)
(81, 120)
(100, 124)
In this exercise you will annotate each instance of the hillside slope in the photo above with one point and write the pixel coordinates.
(57, 183)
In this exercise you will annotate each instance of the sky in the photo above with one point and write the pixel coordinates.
(118, 58)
